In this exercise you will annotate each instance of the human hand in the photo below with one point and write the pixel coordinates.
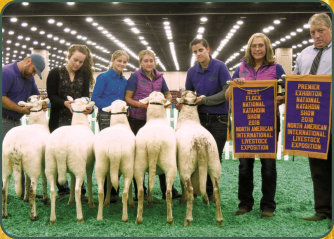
(88, 110)
(67, 104)
(45, 106)
(178, 106)
(280, 99)
(25, 110)
(198, 101)
(239, 81)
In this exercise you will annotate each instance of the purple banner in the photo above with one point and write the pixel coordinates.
(307, 120)
(254, 118)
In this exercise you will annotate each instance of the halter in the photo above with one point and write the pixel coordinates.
(117, 113)
(37, 110)
(155, 103)
(189, 104)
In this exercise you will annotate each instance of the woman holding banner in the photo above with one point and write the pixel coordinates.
(258, 64)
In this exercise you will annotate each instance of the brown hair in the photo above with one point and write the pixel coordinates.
(87, 67)
(146, 52)
(269, 57)
(196, 41)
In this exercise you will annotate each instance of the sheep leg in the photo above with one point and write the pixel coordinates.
(140, 188)
(100, 182)
(219, 216)
(169, 183)
(72, 186)
(89, 187)
(32, 199)
(5, 185)
(45, 195)
(27, 183)
(190, 199)
(107, 199)
(52, 180)
(78, 183)
(150, 192)
(183, 198)
(131, 202)
(127, 184)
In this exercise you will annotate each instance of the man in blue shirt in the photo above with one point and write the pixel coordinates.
(207, 77)
(321, 170)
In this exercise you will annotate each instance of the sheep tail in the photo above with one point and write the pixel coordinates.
(202, 149)
(152, 161)
(114, 169)
(17, 169)
(62, 169)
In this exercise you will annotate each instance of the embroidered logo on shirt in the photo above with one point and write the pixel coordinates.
(244, 73)
(143, 82)
(212, 77)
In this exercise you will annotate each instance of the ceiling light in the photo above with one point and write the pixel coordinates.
(59, 24)
(42, 32)
(293, 33)
(25, 3)
(135, 30)
(27, 38)
(73, 32)
(203, 19)
(201, 30)
(67, 30)
(24, 24)
(11, 32)
(265, 30)
(51, 21)
(306, 26)
(299, 30)
(33, 29)
(89, 19)
(70, 3)
(20, 37)
(240, 22)
(49, 36)
(13, 19)
(277, 22)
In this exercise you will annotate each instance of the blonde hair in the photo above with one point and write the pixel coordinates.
(146, 52)
(319, 18)
(269, 57)
(119, 53)
(86, 67)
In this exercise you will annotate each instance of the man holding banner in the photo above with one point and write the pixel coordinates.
(317, 60)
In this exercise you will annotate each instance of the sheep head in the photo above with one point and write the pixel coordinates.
(34, 101)
(156, 98)
(118, 106)
(188, 97)
(80, 104)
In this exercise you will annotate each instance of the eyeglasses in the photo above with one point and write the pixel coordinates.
(257, 45)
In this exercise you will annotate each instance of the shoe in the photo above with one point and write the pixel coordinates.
(241, 211)
(315, 217)
(266, 214)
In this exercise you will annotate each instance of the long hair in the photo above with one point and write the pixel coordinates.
(269, 57)
(87, 67)
(147, 52)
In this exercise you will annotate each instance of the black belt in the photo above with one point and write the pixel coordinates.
(10, 118)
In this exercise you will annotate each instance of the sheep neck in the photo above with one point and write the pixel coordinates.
(119, 119)
(38, 118)
(188, 113)
(79, 119)
(155, 112)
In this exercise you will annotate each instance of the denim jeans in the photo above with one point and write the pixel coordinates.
(217, 126)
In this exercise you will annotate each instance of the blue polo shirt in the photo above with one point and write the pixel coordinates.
(109, 87)
(209, 82)
(16, 88)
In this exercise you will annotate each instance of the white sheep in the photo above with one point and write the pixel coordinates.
(155, 146)
(197, 155)
(70, 148)
(114, 152)
(23, 148)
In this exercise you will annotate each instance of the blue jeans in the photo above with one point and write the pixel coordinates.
(217, 126)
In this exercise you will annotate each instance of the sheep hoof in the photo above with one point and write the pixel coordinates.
(4, 216)
(91, 205)
(139, 221)
(81, 221)
(150, 202)
(52, 222)
(220, 222)
(132, 204)
(25, 200)
(187, 222)
(34, 218)
(125, 219)
(70, 202)
(182, 201)
(170, 222)
(46, 201)
(106, 204)
(99, 218)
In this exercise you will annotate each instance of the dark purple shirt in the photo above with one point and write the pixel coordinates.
(209, 82)
(16, 88)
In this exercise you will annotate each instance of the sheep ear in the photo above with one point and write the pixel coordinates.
(46, 101)
(167, 102)
(22, 103)
(144, 101)
(125, 108)
(179, 100)
(69, 98)
(107, 109)
(90, 104)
